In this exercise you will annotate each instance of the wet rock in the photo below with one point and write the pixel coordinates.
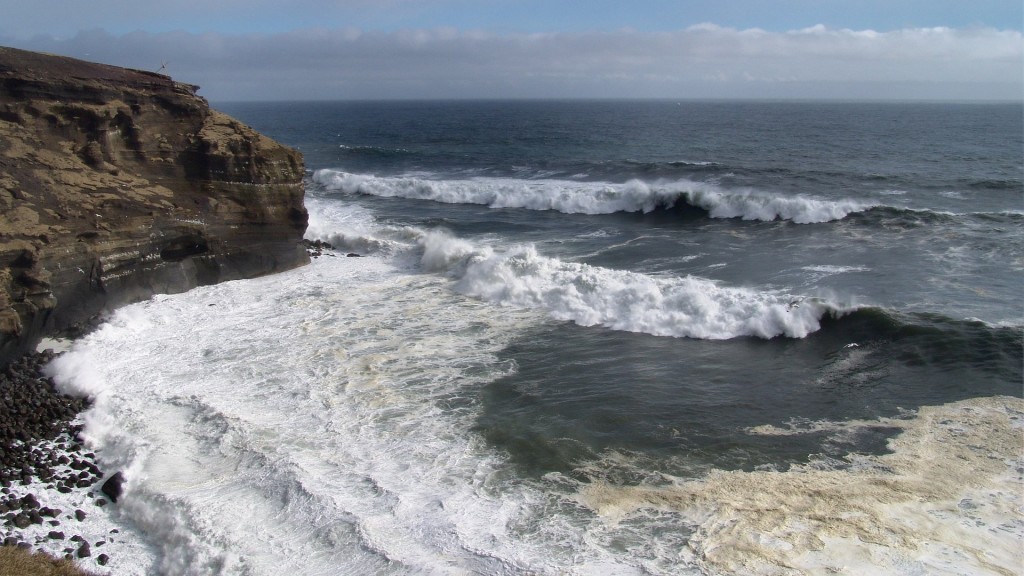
(315, 248)
(29, 501)
(55, 535)
(22, 521)
(35, 428)
(113, 487)
(102, 559)
(84, 551)
(80, 515)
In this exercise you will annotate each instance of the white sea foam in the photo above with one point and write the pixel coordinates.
(750, 205)
(102, 526)
(349, 227)
(573, 197)
(819, 271)
(301, 421)
(947, 500)
(622, 300)
(321, 421)
(833, 269)
(953, 194)
(520, 277)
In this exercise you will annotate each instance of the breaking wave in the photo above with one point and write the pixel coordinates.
(573, 197)
(520, 277)
(588, 295)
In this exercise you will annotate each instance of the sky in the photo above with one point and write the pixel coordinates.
(427, 49)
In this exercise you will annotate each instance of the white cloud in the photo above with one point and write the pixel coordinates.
(700, 61)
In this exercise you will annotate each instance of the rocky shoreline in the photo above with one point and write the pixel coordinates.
(43, 454)
(115, 185)
(41, 448)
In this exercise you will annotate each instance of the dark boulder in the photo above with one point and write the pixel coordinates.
(84, 551)
(113, 487)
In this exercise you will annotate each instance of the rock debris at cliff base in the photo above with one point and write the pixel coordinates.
(41, 456)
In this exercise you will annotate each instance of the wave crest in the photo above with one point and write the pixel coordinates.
(573, 197)
(689, 307)
(520, 277)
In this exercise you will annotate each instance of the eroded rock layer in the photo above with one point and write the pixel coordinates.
(116, 184)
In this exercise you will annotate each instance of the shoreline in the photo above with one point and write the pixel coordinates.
(877, 479)
(115, 185)
(54, 497)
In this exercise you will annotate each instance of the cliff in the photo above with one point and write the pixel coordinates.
(117, 184)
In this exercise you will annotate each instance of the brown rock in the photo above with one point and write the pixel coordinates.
(116, 184)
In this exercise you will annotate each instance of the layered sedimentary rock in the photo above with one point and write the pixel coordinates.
(116, 184)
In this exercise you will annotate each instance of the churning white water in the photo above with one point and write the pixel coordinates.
(574, 197)
(321, 421)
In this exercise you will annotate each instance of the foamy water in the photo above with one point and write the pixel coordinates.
(518, 276)
(573, 197)
(321, 421)
(948, 500)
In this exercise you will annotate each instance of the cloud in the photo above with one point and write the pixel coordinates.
(699, 61)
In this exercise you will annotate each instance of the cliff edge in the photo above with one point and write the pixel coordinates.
(118, 184)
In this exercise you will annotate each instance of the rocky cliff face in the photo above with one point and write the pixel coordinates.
(116, 184)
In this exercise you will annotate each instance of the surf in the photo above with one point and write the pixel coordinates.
(520, 277)
(582, 197)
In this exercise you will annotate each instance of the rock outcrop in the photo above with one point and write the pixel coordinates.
(117, 184)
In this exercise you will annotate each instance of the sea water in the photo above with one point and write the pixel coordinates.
(593, 338)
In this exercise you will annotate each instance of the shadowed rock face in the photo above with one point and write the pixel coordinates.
(116, 184)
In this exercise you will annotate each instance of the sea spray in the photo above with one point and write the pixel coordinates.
(324, 421)
(588, 295)
(582, 197)
(260, 423)
(622, 300)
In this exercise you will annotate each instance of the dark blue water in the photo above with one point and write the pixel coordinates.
(708, 266)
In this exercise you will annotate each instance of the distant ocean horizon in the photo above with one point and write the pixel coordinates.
(235, 103)
(595, 337)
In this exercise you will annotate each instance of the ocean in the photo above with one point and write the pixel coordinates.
(593, 337)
